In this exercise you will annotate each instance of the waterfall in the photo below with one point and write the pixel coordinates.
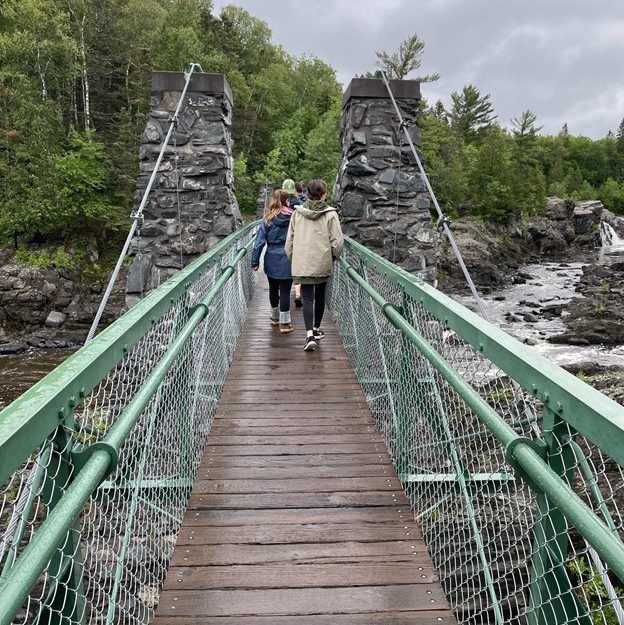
(609, 236)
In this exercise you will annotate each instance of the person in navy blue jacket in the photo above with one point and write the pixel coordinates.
(294, 190)
(272, 233)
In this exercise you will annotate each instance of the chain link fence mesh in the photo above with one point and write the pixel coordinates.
(117, 554)
(503, 552)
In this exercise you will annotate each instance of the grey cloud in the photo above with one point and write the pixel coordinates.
(560, 58)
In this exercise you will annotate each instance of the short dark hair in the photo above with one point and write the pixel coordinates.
(316, 189)
(298, 187)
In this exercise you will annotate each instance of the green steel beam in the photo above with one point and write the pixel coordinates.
(15, 588)
(597, 417)
(520, 451)
(31, 418)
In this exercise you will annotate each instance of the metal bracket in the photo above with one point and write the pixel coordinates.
(442, 221)
(80, 458)
(538, 446)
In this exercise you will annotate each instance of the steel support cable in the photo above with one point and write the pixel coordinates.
(137, 215)
(444, 223)
(520, 451)
(442, 219)
(102, 459)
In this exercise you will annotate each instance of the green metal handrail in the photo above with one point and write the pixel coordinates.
(521, 452)
(588, 411)
(29, 420)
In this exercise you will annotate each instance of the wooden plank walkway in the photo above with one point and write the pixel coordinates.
(297, 516)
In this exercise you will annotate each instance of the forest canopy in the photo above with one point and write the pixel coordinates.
(74, 97)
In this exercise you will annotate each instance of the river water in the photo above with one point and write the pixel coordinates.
(551, 284)
(19, 372)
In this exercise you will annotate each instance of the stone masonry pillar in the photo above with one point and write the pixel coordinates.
(192, 204)
(382, 198)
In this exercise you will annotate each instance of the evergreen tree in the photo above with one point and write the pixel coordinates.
(405, 60)
(471, 114)
(523, 127)
(619, 138)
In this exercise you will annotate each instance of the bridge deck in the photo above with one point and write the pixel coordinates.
(297, 515)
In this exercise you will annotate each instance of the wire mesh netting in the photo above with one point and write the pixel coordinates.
(112, 563)
(504, 553)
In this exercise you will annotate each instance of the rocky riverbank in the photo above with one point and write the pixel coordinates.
(49, 306)
(494, 253)
(555, 282)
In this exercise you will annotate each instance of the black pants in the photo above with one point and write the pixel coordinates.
(313, 296)
(279, 293)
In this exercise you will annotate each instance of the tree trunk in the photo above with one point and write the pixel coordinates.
(44, 89)
(85, 77)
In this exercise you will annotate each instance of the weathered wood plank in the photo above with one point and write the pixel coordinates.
(280, 473)
(295, 460)
(298, 576)
(301, 553)
(291, 516)
(301, 449)
(301, 533)
(431, 617)
(296, 485)
(297, 500)
(310, 439)
(286, 601)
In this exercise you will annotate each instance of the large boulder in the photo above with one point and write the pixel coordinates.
(597, 317)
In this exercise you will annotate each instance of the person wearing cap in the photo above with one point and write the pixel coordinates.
(293, 194)
(294, 200)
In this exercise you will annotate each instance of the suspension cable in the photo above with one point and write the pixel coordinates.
(137, 215)
(442, 219)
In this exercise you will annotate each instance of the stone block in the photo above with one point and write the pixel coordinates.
(352, 205)
(360, 167)
(190, 184)
(55, 319)
(388, 176)
(224, 225)
(151, 133)
(210, 134)
(139, 275)
(357, 138)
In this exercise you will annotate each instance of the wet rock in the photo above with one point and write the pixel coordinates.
(530, 318)
(13, 347)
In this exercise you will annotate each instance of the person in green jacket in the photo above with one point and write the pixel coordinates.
(313, 242)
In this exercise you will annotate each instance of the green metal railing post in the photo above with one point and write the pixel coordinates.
(404, 408)
(384, 363)
(66, 599)
(552, 598)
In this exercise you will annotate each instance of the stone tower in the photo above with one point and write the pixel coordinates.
(382, 198)
(192, 204)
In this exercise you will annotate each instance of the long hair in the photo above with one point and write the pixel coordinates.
(278, 201)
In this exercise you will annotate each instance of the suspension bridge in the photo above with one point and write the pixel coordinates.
(188, 465)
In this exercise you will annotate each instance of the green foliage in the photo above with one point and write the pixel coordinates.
(44, 258)
(471, 114)
(399, 64)
(593, 592)
(245, 188)
(611, 194)
(322, 150)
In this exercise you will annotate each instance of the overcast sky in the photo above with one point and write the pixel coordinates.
(563, 59)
